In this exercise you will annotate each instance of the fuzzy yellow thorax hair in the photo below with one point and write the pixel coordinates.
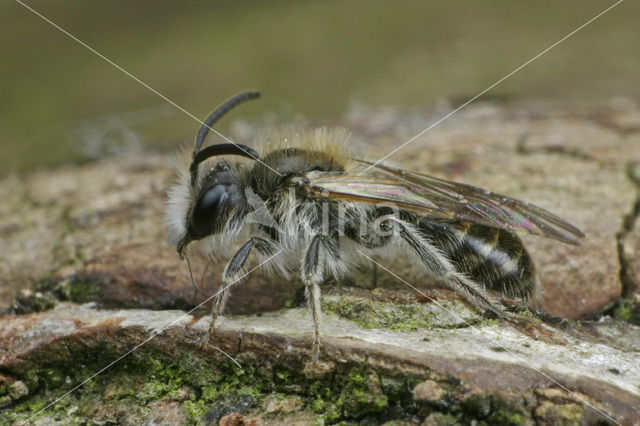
(331, 142)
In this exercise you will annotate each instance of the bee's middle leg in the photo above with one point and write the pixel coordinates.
(312, 276)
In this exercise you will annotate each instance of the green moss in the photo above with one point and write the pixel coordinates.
(31, 379)
(442, 419)
(504, 413)
(352, 393)
(32, 407)
(207, 389)
(478, 406)
(54, 377)
(82, 291)
(628, 312)
(566, 414)
(401, 317)
(624, 313)
(570, 413)
(50, 291)
(381, 315)
(492, 409)
(362, 394)
(135, 382)
(514, 419)
(195, 410)
(38, 301)
(152, 390)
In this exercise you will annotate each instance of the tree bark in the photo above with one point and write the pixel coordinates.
(87, 278)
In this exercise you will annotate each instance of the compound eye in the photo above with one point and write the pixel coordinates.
(205, 216)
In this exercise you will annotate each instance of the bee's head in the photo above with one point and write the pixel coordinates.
(215, 197)
(221, 196)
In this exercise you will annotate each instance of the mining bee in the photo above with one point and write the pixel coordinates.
(327, 210)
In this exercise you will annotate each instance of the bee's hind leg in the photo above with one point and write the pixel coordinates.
(312, 276)
(437, 262)
(232, 275)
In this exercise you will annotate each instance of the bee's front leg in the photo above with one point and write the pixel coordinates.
(232, 275)
(312, 276)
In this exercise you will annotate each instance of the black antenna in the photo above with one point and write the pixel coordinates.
(220, 149)
(218, 114)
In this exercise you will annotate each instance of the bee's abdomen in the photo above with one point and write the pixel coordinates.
(492, 257)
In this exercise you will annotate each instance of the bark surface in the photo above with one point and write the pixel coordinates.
(86, 276)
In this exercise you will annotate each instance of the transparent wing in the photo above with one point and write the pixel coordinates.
(442, 198)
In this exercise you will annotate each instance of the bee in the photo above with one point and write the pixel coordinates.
(327, 210)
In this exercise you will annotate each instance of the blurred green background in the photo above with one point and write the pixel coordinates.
(61, 103)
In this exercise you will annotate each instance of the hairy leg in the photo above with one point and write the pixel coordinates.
(312, 275)
(233, 271)
(437, 262)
